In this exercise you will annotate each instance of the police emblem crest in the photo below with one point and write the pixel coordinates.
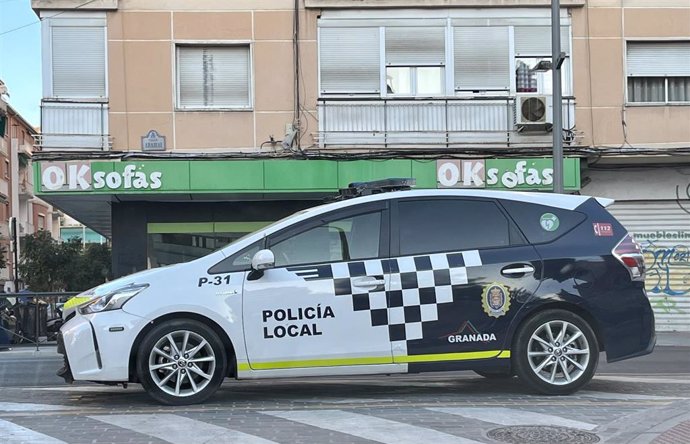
(496, 300)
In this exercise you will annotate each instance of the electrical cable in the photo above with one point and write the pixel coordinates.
(44, 18)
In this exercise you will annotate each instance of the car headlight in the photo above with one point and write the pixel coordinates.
(111, 301)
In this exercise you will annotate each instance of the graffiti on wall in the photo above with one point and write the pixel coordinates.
(667, 255)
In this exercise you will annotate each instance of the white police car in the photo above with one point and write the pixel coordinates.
(501, 283)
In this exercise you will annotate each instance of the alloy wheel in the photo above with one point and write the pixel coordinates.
(558, 352)
(182, 363)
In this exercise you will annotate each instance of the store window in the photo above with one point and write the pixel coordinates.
(213, 77)
(77, 59)
(172, 243)
(658, 72)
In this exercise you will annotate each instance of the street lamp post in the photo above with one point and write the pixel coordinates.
(557, 129)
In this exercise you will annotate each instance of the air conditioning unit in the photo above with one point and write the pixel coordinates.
(534, 112)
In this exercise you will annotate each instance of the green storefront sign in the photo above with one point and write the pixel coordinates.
(287, 175)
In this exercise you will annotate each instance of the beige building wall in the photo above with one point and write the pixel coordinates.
(600, 31)
(141, 72)
(141, 59)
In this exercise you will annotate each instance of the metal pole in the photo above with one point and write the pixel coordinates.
(557, 129)
(37, 321)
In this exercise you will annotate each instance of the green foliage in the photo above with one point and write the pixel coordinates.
(49, 265)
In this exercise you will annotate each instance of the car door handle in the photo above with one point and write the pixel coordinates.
(367, 281)
(517, 270)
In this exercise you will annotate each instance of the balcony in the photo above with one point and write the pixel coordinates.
(74, 126)
(430, 123)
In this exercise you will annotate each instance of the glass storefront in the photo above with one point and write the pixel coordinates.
(172, 243)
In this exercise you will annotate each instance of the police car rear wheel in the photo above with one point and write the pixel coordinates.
(556, 352)
(181, 362)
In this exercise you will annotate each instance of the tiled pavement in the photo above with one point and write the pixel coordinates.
(440, 408)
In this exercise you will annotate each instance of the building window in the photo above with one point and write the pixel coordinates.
(77, 57)
(482, 58)
(658, 72)
(350, 60)
(436, 60)
(532, 46)
(213, 77)
(41, 222)
(415, 61)
(7, 169)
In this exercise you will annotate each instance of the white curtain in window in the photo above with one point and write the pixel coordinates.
(536, 40)
(679, 89)
(646, 89)
(658, 59)
(413, 46)
(349, 60)
(78, 61)
(482, 58)
(213, 76)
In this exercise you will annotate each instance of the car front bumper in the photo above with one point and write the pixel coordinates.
(97, 347)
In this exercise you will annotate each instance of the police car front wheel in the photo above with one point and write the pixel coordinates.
(556, 352)
(180, 362)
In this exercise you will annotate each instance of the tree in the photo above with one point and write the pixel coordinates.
(49, 265)
(93, 268)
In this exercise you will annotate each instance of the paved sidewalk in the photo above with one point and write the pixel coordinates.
(673, 338)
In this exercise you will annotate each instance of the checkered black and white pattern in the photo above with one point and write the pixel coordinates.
(416, 286)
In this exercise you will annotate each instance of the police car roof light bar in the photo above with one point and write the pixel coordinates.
(357, 189)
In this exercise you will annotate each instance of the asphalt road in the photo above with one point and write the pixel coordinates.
(644, 400)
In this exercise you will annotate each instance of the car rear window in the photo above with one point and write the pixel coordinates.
(541, 223)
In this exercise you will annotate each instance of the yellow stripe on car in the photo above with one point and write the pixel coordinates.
(438, 357)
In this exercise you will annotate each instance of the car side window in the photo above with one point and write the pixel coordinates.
(541, 224)
(349, 238)
(435, 225)
(240, 261)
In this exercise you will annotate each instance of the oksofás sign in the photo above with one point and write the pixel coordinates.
(511, 174)
(85, 176)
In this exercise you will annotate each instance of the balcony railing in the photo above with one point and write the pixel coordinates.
(432, 123)
(74, 125)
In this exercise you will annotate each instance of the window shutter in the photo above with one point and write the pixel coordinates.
(349, 60)
(482, 58)
(213, 77)
(536, 41)
(78, 58)
(658, 59)
(411, 46)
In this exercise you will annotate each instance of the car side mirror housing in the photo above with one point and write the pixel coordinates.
(263, 260)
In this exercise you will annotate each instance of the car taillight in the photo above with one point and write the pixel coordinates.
(629, 253)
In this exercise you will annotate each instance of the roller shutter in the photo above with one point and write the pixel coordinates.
(658, 59)
(663, 230)
(350, 60)
(78, 61)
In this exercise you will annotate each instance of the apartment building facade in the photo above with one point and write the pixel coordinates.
(17, 197)
(174, 127)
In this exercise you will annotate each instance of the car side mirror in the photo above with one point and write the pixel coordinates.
(263, 260)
